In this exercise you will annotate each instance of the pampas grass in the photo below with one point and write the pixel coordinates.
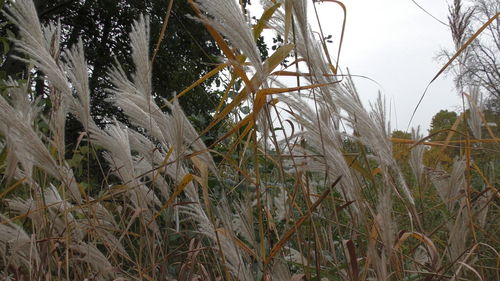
(324, 201)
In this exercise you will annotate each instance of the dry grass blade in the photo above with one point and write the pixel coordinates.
(238, 242)
(178, 190)
(225, 48)
(261, 24)
(12, 187)
(433, 252)
(204, 78)
(344, 9)
(163, 30)
(353, 260)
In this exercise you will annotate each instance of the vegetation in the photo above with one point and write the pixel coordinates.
(285, 193)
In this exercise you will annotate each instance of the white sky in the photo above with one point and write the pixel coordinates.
(396, 44)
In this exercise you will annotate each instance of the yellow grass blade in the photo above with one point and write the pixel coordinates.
(12, 187)
(277, 57)
(163, 29)
(422, 238)
(274, 60)
(344, 9)
(288, 18)
(448, 138)
(201, 80)
(226, 94)
(238, 242)
(261, 24)
(178, 190)
(224, 48)
(203, 181)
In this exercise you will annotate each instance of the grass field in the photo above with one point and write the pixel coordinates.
(308, 184)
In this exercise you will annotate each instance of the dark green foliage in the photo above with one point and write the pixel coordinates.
(186, 53)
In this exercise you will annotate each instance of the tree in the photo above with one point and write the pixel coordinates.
(479, 65)
(441, 123)
(186, 53)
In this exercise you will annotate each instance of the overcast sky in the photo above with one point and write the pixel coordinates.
(396, 44)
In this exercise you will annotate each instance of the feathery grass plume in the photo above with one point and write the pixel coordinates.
(53, 208)
(242, 221)
(238, 260)
(451, 189)
(191, 137)
(373, 131)
(385, 220)
(136, 109)
(280, 272)
(456, 185)
(77, 70)
(482, 206)
(417, 156)
(234, 257)
(151, 157)
(29, 110)
(329, 139)
(139, 41)
(226, 16)
(476, 105)
(42, 46)
(280, 203)
(135, 98)
(460, 230)
(39, 43)
(379, 261)
(310, 49)
(116, 141)
(91, 255)
(176, 132)
(294, 256)
(16, 246)
(33, 150)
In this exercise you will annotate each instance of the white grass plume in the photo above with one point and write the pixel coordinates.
(227, 18)
(476, 106)
(115, 140)
(40, 44)
(31, 149)
(329, 139)
(417, 156)
(89, 254)
(16, 246)
(139, 41)
(54, 207)
(77, 70)
(29, 109)
(372, 129)
(136, 100)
